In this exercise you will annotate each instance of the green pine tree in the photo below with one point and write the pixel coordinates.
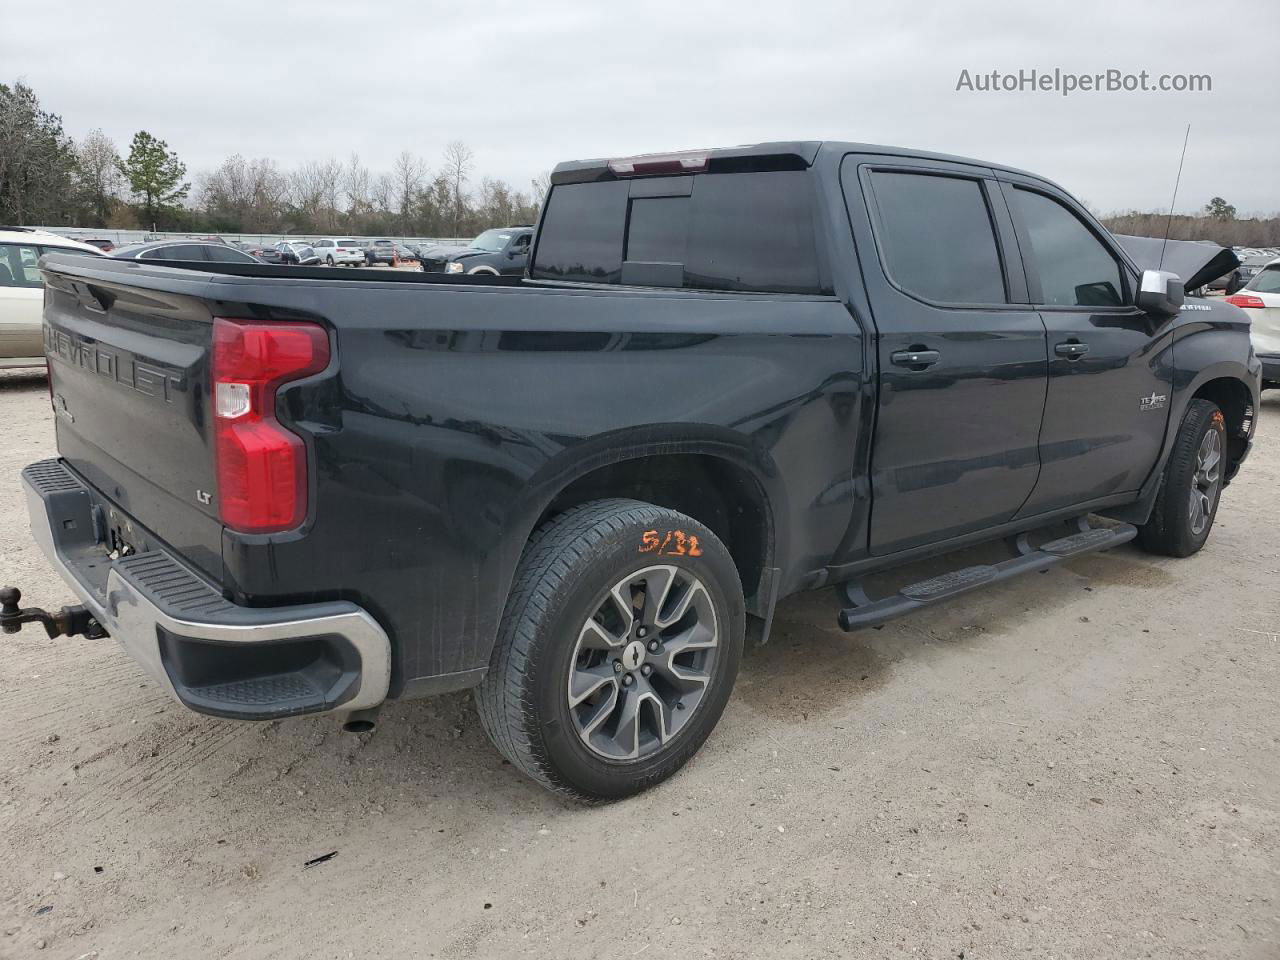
(155, 176)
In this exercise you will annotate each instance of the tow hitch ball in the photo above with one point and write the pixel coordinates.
(72, 621)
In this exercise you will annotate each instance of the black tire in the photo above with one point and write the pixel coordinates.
(566, 573)
(328, 262)
(1174, 527)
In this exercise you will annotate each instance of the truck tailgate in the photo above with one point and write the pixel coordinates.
(129, 374)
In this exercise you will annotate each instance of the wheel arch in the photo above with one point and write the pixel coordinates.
(717, 484)
(1238, 405)
(712, 490)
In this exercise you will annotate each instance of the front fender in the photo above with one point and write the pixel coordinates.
(1210, 345)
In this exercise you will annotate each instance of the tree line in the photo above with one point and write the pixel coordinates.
(1218, 222)
(48, 178)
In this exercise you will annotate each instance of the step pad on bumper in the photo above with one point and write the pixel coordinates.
(260, 691)
(869, 613)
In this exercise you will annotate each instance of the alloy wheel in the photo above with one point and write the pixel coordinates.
(1206, 482)
(643, 663)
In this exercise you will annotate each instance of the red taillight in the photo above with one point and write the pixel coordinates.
(261, 466)
(1246, 300)
(691, 161)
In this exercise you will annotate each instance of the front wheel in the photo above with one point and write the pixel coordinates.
(617, 651)
(1192, 484)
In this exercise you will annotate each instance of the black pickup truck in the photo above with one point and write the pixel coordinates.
(726, 376)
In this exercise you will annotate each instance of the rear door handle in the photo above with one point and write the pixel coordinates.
(914, 358)
(1072, 349)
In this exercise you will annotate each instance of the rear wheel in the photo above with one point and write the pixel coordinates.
(1192, 485)
(328, 261)
(617, 651)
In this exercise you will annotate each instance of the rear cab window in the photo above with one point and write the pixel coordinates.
(735, 231)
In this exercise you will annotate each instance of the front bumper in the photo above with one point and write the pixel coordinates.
(212, 655)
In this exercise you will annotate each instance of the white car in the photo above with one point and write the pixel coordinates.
(22, 292)
(1260, 299)
(334, 252)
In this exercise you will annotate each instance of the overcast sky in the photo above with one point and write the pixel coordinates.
(528, 84)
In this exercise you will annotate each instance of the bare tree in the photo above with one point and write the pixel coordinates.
(355, 184)
(330, 172)
(243, 194)
(457, 170)
(541, 187)
(307, 193)
(407, 173)
(382, 192)
(98, 174)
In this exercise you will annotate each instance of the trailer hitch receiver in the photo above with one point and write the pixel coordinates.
(71, 621)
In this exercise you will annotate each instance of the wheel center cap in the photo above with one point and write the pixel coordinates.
(633, 655)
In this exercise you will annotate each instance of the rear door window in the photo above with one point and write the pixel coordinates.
(177, 251)
(18, 265)
(750, 231)
(1075, 269)
(1267, 281)
(229, 255)
(936, 237)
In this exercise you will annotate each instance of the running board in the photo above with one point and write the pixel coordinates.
(865, 612)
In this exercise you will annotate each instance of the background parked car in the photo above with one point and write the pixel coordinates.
(185, 250)
(1251, 266)
(1260, 299)
(334, 251)
(405, 252)
(22, 291)
(297, 253)
(267, 253)
(1228, 283)
(106, 246)
(501, 251)
(380, 251)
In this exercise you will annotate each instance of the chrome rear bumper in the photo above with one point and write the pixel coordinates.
(214, 656)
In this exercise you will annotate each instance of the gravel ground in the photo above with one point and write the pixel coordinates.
(1082, 763)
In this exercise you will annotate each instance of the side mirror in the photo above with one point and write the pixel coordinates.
(1160, 294)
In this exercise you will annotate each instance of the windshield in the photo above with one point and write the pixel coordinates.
(1268, 281)
(491, 240)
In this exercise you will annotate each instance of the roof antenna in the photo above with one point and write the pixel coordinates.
(1169, 221)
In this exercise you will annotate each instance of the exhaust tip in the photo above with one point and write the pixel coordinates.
(361, 721)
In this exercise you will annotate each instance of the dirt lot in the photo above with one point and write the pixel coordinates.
(1083, 763)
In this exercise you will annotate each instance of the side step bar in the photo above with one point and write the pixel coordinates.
(865, 612)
